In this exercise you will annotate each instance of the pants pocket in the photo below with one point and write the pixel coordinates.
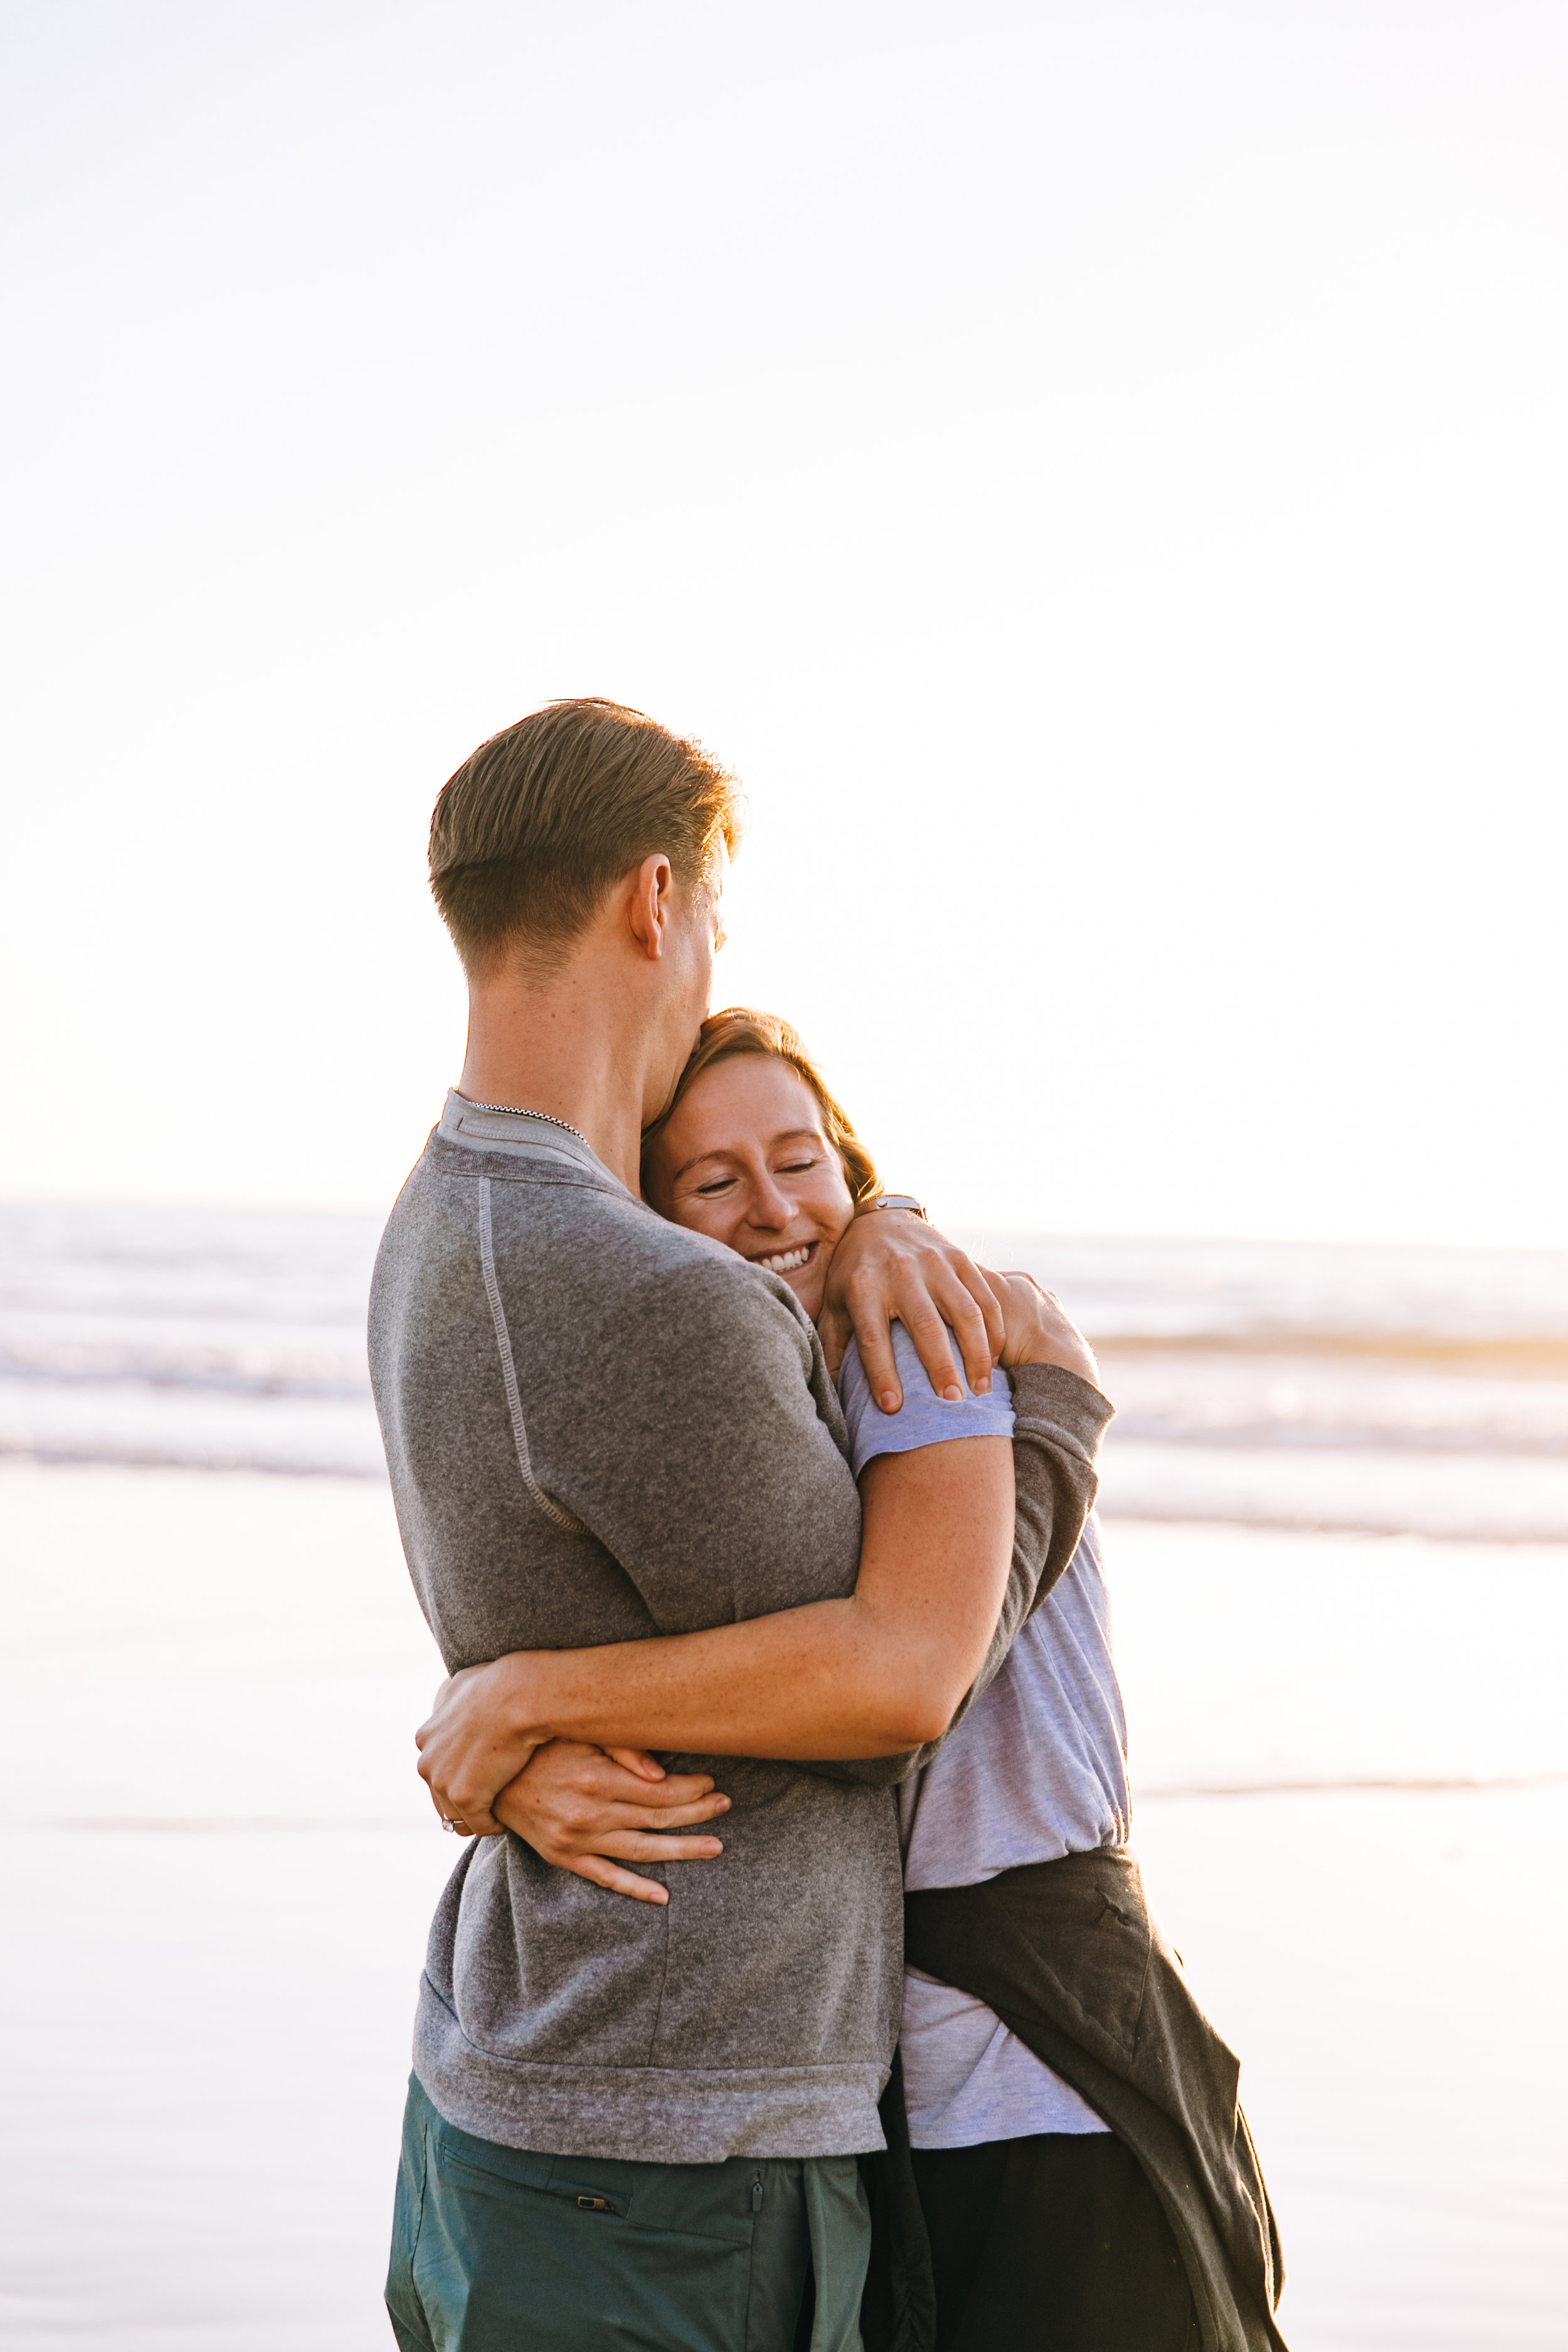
(505, 2266)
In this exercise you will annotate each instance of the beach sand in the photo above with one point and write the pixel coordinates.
(219, 1867)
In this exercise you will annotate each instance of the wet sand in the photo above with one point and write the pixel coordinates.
(219, 1867)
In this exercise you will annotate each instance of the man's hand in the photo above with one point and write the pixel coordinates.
(894, 1267)
(1039, 1329)
(479, 1737)
(578, 1806)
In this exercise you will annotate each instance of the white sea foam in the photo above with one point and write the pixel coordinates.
(1288, 1384)
(220, 1338)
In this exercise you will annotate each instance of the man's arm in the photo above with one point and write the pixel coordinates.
(890, 1267)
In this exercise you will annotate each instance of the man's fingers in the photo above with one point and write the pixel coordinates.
(987, 1298)
(871, 1309)
(963, 1298)
(832, 1329)
(969, 1329)
(928, 1329)
(877, 1362)
(1040, 1330)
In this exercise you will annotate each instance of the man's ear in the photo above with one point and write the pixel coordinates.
(648, 905)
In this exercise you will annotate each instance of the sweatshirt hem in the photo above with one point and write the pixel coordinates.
(657, 2115)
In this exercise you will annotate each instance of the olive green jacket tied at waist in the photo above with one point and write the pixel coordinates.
(1067, 1955)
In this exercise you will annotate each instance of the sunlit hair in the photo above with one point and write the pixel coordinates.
(542, 820)
(738, 1031)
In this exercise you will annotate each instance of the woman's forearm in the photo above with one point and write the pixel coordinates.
(873, 1674)
(833, 1678)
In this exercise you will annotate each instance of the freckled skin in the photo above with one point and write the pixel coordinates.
(744, 1159)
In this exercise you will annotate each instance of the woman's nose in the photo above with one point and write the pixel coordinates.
(770, 1207)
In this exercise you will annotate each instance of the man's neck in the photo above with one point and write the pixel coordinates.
(558, 1049)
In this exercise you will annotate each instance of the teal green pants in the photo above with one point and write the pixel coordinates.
(499, 2249)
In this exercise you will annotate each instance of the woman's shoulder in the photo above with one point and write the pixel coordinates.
(925, 1418)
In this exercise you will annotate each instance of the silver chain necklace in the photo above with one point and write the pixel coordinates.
(511, 1110)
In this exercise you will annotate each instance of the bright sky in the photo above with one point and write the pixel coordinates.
(1097, 471)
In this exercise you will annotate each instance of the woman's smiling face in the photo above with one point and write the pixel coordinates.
(743, 1158)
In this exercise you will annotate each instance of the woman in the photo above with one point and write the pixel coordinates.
(1053, 2160)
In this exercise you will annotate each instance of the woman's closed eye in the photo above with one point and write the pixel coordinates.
(717, 1186)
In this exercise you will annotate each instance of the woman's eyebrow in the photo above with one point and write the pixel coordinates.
(728, 1151)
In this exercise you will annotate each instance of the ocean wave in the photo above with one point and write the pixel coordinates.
(1270, 1384)
(247, 1360)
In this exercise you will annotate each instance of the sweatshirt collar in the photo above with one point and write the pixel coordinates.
(522, 1132)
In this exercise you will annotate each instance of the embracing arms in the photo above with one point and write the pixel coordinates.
(946, 1579)
(879, 1671)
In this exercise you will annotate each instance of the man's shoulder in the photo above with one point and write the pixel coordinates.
(573, 1252)
(588, 1240)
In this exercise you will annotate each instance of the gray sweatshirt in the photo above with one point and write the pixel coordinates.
(600, 1427)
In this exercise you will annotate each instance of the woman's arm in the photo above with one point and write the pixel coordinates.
(590, 1810)
(876, 1674)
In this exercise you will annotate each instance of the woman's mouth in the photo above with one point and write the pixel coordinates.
(788, 1260)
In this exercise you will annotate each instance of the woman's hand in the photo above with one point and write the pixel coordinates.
(576, 1806)
(1039, 1329)
(894, 1268)
(480, 1735)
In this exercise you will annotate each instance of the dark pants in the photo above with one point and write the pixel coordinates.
(500, 2250)
(1055, 2244)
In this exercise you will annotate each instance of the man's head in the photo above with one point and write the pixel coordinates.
(578, 856)
(543, 821)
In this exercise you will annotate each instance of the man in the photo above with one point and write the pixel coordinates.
(631, 2125)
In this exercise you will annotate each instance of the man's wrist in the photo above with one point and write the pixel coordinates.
(1054, 1354)
(1032, 1381)
(892, 1204)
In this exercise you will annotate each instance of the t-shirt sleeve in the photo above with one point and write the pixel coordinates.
(1058, 1422)
(924, 1419)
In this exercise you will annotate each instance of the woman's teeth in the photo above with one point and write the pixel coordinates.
(786, 1260)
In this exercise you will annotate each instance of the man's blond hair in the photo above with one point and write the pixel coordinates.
(546, 816)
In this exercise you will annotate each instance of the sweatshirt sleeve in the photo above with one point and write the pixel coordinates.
(717, 1475)
(1058, 1422)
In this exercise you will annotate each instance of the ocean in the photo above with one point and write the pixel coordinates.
(1283, 1384)
(1336, 1509)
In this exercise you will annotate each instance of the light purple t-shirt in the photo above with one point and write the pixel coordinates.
(1036, 1769)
